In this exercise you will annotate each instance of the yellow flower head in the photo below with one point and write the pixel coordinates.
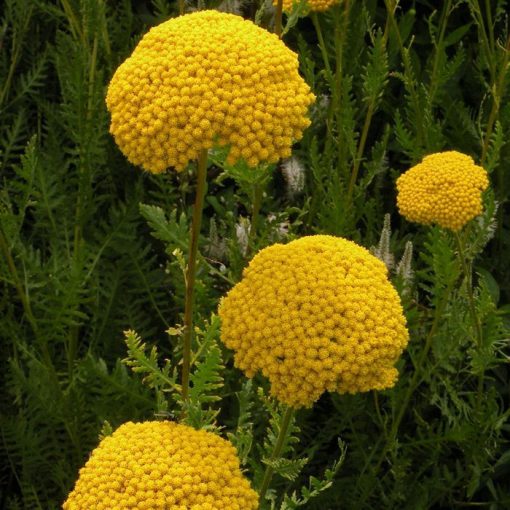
(202, 79)
(317, 314)
(312, 5)
(162, 465)
(445, 188)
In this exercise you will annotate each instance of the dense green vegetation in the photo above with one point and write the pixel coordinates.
(92, 246)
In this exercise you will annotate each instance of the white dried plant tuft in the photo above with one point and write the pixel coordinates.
(383, 251)
(294, 174)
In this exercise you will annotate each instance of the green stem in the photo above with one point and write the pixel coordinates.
(497, 88)
(364, 135)
(26, 304)
(439, 48)
(341, 26)
(415, 381)
(480, 21)
(322, 45)
(181, 7)
(341, 32)
(15, 56)
(421, 135)
(74, 24)
(469, 290)
(257, 201)
(378, 412)
(191, 270)
(17, 282)
(359, 154)
(268, 474)
(278, 19)
(472, 310)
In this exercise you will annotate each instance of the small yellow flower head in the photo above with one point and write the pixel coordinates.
(165, 466)
(445, 188)
(317, 314)
(202, 79)
(313, 5)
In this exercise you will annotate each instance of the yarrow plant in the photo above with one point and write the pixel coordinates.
(203, 79)
(315, 315)
(444, 189)
(162, 465)
(315, 325)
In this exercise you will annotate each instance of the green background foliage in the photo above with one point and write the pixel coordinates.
(91, 247)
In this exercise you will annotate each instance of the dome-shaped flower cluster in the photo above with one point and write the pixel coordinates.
(164, 466)
(202, 79)
(312, 5)
(445, 188)
(317, 314)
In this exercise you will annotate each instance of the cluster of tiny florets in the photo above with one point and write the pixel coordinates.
(312, 5)
(164, 466)
(317, 314)
(444, 189)
(203, 79)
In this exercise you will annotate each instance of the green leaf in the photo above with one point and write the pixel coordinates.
(491, 283)
(206, 378)
(287, 468)
(456, 35)
(174, 233)
(147, 364)
(375, 75)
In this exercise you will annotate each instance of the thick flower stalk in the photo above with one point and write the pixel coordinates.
(315, 315)
(203, 79)
(162, 465)
(444, 189)
(312, 5)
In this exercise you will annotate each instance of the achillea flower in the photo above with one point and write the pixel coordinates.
(445, 189)
(162, 465)
(313, 5)
(202, 79)
(317, 314)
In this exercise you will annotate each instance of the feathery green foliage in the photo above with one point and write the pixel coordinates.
(91, 247)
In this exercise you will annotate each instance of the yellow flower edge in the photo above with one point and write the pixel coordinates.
(444, 189)
(317, 314)
(312, 5)
(205, 79)
(162, 465)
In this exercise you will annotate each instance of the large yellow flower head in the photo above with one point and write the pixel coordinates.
(445, 188)
(312, 5)
(317, 314)
(162, 466)
(206, 78)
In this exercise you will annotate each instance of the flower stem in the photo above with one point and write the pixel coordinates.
(282, 435)
(191, 271)
(414, 383)
(469, 289)
(258, 191)
(278, 19)
(472, 309)
(322, 45)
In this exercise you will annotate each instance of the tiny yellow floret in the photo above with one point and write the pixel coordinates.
(203, 79)
(444, 189)
(311, 5)
(162, 465)
(318, 314)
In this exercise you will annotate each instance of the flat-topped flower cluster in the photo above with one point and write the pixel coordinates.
(317, 314)
(202, 79)
(162, 465)
(444, 189)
